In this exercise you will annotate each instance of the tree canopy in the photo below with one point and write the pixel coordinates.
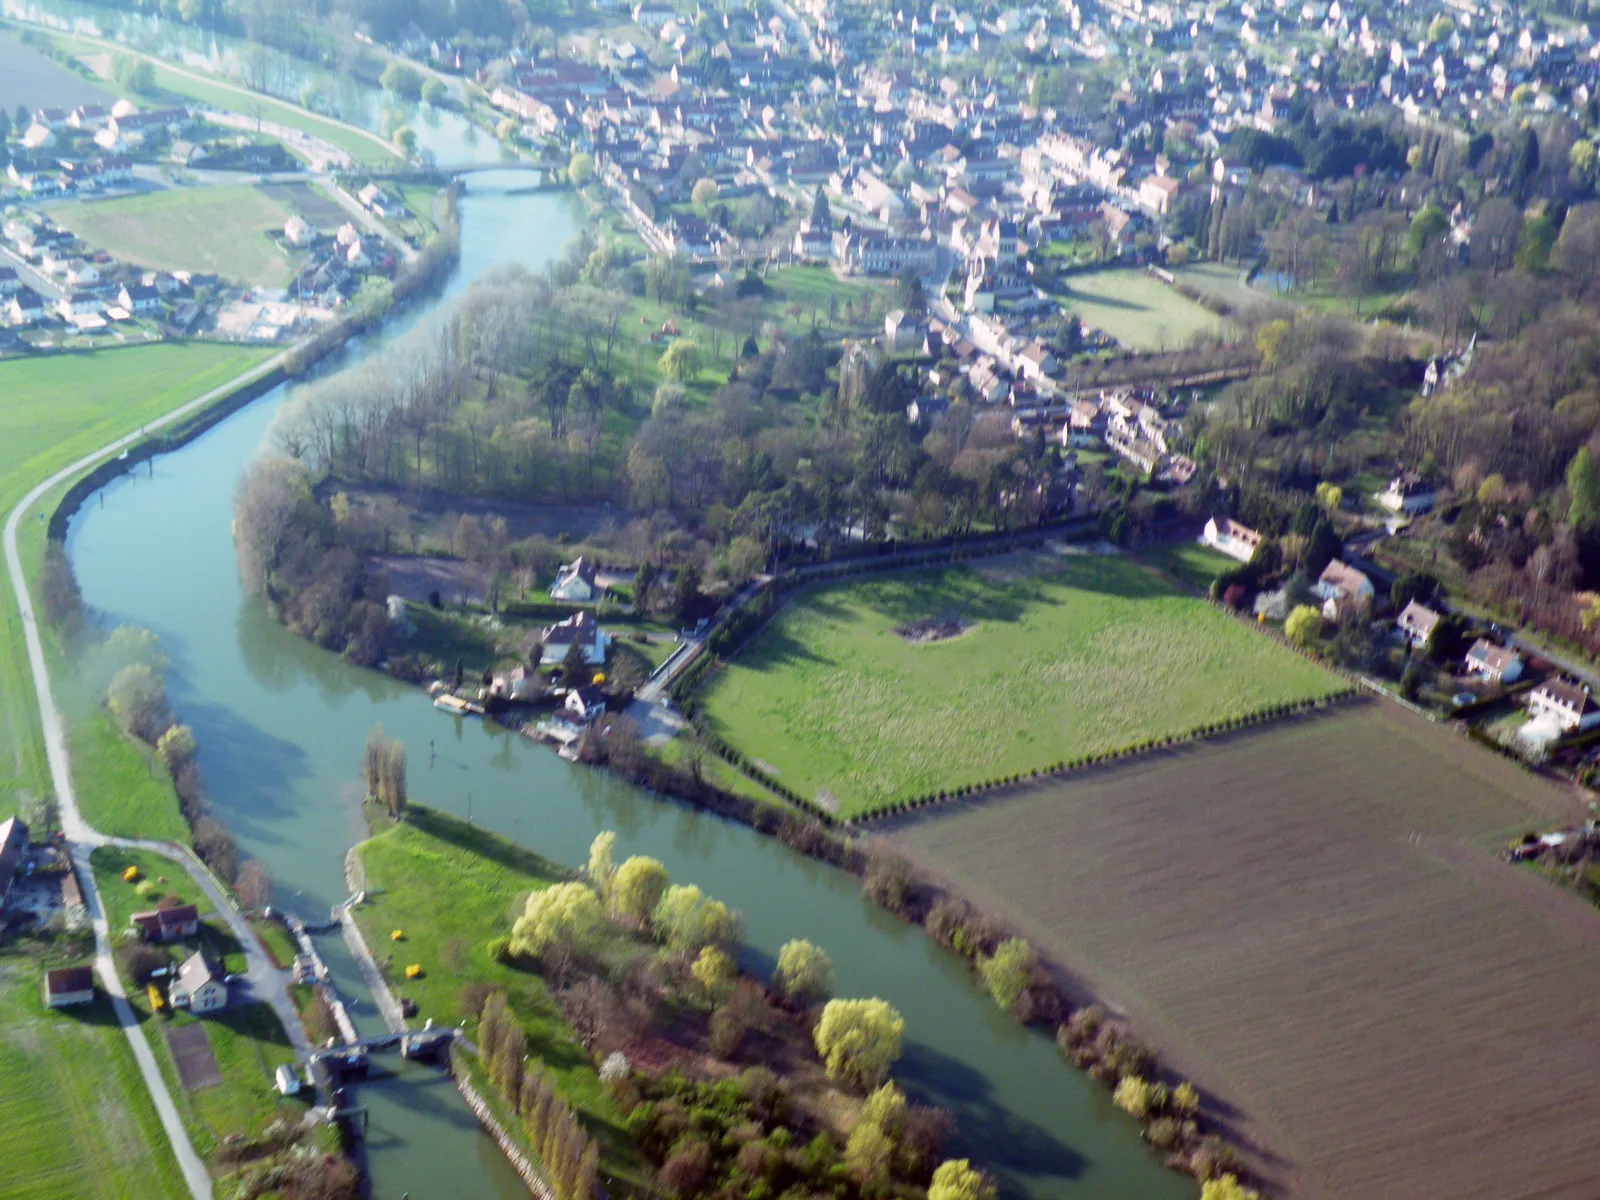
(859, 1040)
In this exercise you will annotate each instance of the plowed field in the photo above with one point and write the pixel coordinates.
(1310, 919)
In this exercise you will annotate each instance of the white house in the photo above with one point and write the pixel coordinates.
(1340, 587)
(1233, 539)
(197, 987)
(26, 307)
(1567, 706)
(13, 846)
(1493, 663)
(1416, 624)
(66, 986)
(581, 627)
(575, 582)
(585, 704)
(140, 299)
(1407, 493)
(298, 231)
(38, 137)
(77, 304)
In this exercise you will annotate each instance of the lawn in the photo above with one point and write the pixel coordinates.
(122, 785)
(1219, 282)
(57, 409)
(1137, 309)
(226, 230)
(75, 1119)
(1061, 655)
(121, 898)
(1310, 917)
(450, 889)
(1190, 563)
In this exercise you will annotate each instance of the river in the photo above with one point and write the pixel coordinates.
(280, 726)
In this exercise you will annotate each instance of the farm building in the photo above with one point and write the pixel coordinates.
(198, 987)
(1416, 624)
(167, 924)
(1233, 539)
(13, 847)
(66, 986)
(576, 582)
(1494, 663)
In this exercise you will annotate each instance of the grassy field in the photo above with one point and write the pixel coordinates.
(76, 1122)
(1220, 282)
(57, 409)
(1310, 918)
(226, 230)
(1137, 309)
(123, 787)
(449, 889)
(1190, 563)
(1062, 655)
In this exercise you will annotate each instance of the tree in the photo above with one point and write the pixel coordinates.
(133, 74)
(138, 700)
(686, 919)
(405, 137)
(714, 971)
(685, 591)
(580, 168)
(253, 885)
(39, 811)
(1224, 1187)
(1304, 626)
(434, 92)
(1583, 489)
(557, 921)
(60, 601)
(602, 862)
(868, 1155)
(1008, 972)
(1330, 495)
(681, 360)
(637, 887)
(956, 1179)
(704, 196)
(1427, 227)
(804, 974)
(1133, 1096)
(859, 1040)
(575, 665)
(1440, 29)
(402, 79)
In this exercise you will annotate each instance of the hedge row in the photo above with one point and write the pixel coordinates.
(1271, 712)
(739, 762)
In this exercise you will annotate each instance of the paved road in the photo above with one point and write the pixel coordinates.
(81, 837)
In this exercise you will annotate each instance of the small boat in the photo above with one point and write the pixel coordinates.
(455, 704)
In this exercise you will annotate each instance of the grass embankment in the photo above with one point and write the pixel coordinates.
(75, 1118)
(450, 888)
(1059, 656)
(1190, 563)
(1138, 309)
(56, 410)
(225, 230)
(177, 86)
(247, 1041)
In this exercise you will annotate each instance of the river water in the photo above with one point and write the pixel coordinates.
(280, 725)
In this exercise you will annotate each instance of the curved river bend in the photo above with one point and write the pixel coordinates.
(280, 725)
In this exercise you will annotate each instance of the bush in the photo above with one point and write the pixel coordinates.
(140, 962)
(887, 880)
(147, 890)
(500, 949)
(1008, 972)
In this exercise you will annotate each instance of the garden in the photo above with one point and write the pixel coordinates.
(1060, 656)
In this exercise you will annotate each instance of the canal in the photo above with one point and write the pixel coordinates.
(280, 726)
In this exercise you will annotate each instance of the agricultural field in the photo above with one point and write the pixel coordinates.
(29, 78)
(1054, 656)
(1138, 309)
(1309, 919)
(76, 1122)
(57, 409)
(226, 230)
(310, 201)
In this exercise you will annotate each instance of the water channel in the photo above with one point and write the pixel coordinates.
(280, 725)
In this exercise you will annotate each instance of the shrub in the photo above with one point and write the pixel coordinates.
(1008, 972)
(1133, 1097)
(147, 890)
(1163, 1133)
(500, 949)
(684, 1172)
(804, 973)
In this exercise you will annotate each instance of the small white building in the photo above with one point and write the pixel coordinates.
(1416, 624)
(1231, 538)
(197, 987)
(1407, 493)
(298, 231)
(67, 986)
(1496, 664)
(584, 705)
(576, 583)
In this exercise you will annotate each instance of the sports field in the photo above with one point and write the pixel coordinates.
(1137, 309)
(75, 1120)
(226, 230)
(1059, 656)
(1310, 918)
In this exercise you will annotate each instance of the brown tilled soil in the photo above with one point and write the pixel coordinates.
(1311, 921)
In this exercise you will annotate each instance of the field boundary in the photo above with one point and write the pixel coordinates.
(1210, 731)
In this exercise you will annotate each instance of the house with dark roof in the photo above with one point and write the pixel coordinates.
(580, 627)
(13, 849)
(1342, 589)
(584, 704)
(1563, 704)
(66, 986)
